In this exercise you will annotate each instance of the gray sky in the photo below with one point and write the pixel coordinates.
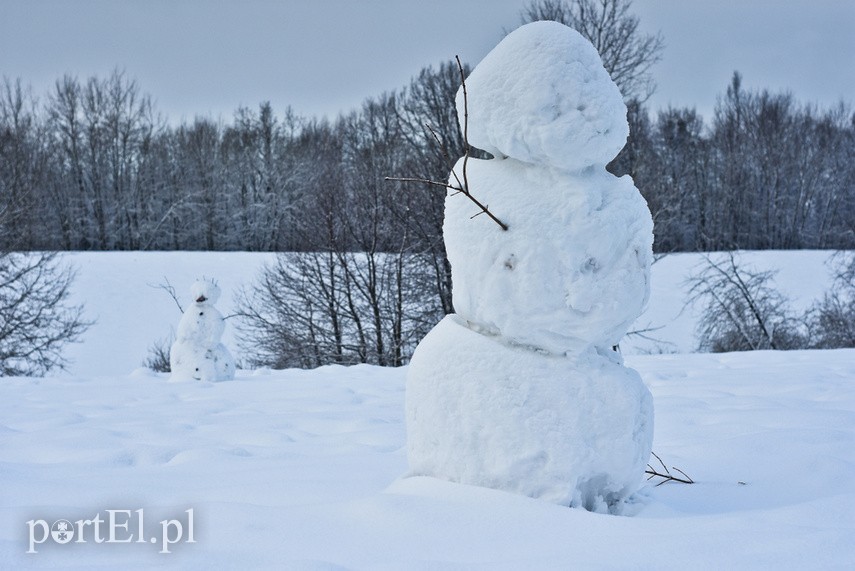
(325, 56)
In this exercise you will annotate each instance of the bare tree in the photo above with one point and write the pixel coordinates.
(427, 108)
(832, 320)
(296, 314)
(36, 320)
(675, 182)
(627, 53)
(25, 219)
(361, 292)
(742, 311)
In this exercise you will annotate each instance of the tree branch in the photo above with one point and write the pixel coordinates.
(461, 187)
(666, 476)
(168, 288)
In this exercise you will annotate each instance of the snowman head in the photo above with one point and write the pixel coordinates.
(205, 291)
(542, 96)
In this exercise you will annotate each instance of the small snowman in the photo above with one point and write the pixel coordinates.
(197, 352)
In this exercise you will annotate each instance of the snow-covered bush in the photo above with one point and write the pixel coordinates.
(832, 320)
(316, 308)
(157, 358)
(742, 311)
(36, 320)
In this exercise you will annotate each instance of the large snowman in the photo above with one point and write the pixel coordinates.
(197, 352)
(521, 389)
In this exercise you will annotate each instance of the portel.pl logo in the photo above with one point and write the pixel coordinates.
(116, 526)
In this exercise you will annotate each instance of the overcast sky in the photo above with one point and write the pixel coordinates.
(325, 56)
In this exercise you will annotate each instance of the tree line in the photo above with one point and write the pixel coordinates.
(768, 172)
(92, 166)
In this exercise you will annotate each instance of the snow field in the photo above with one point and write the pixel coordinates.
(303, 470)
(130, 315)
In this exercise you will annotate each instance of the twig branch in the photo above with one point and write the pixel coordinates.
(666, 476)
(168, 288)
(484, 209)
(462, 187)
(448, 161)
(421, 180)
(466, 130)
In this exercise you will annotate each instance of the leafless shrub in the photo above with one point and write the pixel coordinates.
(36, 320)
(742, 311)
(832, 320)
(316, 308)
(158, 355)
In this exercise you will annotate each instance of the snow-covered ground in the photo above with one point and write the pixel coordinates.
(306, 469)
(121, 293)
(119, 290)
(802, 276)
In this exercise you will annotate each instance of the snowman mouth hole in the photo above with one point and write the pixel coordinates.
(201, 299)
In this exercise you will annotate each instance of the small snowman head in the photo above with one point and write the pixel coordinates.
(205, 291)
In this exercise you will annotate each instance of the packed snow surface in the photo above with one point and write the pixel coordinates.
(303, 470)
(543, 96)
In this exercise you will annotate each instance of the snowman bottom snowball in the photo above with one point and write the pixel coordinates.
(188, 362)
